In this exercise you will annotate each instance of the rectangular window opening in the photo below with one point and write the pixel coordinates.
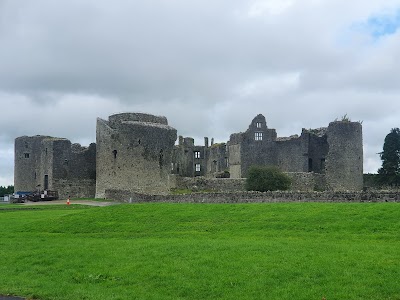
(197, 167)
(196, 154)
(258, 124)
(258, 136)
(26, 155)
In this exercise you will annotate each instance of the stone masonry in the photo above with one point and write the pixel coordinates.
(48, 163)
(136, 153)
(328, 158)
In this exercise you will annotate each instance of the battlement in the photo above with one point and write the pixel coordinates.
(136, 117)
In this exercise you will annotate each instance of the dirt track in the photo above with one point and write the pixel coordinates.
(64, 202)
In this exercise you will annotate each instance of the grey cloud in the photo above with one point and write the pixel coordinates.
(210, 67)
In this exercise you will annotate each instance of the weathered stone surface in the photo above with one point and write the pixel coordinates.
(256, 197)
(48, 163)
(134, 152)
(344, 160)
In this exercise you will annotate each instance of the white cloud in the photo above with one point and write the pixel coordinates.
(273, 7)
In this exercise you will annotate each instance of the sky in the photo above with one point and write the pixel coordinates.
(209, 66)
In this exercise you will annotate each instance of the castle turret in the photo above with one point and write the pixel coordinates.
(344, 162)
(134, 152)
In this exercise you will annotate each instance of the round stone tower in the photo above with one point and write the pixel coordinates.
(344, 161)
(134, 153)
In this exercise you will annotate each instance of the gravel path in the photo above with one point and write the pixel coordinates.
(64, 202)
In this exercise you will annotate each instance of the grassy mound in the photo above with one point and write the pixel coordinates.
(202, 251)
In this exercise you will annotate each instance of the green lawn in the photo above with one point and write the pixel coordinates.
(201, 251)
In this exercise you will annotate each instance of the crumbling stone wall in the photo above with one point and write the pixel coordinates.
(42, 162)
(256, 146)
(27, 159)
(336, 151)
(290, 154)
(300, 181)
(256, 197)
(190, 160)
(134, 152)
(344, 161)
(318, 149)
(217, 161)
(75, 188)
(210, 184)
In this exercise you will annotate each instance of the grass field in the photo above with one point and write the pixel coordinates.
(201, 251)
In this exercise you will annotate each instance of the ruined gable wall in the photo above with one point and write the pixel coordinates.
(258, 152)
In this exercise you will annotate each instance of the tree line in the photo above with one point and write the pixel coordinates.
(389, 174)
(6, 190)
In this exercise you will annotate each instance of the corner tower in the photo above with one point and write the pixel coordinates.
(344, 161)
(134, 153)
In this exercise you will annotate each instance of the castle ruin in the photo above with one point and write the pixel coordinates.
(136, 152)
(48, 163)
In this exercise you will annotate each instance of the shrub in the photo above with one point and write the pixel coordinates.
(224, 174)
(264, 179)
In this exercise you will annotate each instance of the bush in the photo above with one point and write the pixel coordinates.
(224, 174)
(264, 179)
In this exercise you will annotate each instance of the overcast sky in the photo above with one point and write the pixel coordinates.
(208, 66)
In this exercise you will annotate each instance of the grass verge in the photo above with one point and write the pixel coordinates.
(202, 251)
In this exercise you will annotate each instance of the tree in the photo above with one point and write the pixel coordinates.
(264, 179)
(390, 156)
(6, 190)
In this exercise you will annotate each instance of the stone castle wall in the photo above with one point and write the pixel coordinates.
(134, 152)
(210, 184)
(290, 154)
(75, 188)
(255, 197)
(335, 151)
(300, 181)
(344, 161)
(26, 157)
(48, 163)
